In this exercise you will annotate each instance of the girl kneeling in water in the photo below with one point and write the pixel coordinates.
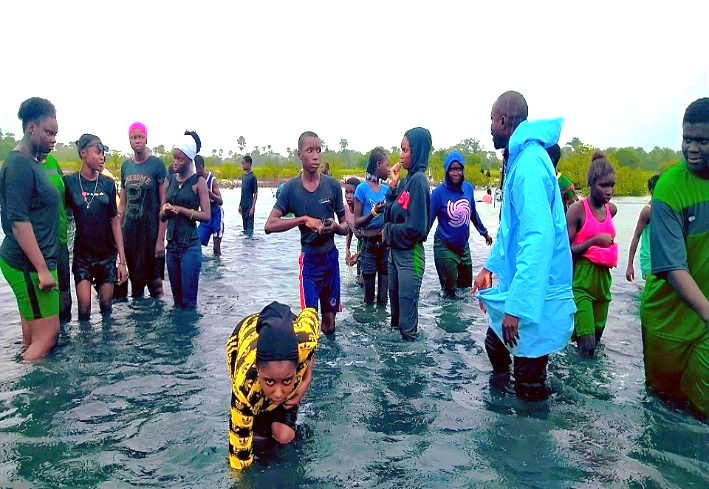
(270, 357)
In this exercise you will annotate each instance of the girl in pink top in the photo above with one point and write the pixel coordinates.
(595, 252)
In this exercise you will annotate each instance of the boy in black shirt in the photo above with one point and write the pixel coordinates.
(314, 199)
(92, 198)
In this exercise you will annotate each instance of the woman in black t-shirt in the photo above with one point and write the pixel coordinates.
(99, 239)
(187, 202)
(30, 220)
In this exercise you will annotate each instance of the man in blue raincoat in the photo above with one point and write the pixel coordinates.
(531, 309)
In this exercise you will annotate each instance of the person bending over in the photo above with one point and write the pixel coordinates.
(270, 356)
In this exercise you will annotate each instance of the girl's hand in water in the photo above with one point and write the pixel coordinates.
(394, 174)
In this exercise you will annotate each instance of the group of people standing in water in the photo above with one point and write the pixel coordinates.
(119, 238)
(551, 257)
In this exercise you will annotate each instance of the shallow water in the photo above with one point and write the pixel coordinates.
(141, 399)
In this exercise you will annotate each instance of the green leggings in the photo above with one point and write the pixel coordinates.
(592, 294)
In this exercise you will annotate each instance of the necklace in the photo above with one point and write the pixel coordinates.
(83, 192)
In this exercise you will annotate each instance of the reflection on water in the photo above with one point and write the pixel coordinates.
(141, 398)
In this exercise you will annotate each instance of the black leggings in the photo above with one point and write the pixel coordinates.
(529, 373)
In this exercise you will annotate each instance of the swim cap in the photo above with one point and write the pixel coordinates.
(138, 125)
(276, 338)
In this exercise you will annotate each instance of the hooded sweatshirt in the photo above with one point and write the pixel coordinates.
(454, 206)
(532, 254)
(408, 205)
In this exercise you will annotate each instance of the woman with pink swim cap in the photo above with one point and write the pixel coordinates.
(142, 197)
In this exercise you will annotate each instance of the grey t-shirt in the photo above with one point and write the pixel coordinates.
(322, 204)
(27, 195)
(142, 182)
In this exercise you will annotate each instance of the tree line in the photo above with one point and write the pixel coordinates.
(634, 165)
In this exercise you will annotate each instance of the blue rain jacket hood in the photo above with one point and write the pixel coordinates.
(532, 254)
(454, 156)
(420, 143)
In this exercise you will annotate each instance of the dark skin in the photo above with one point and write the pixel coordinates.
(309, 153)
(601, 193)
(643, 220)
(360, 220)
(181, 166)
(695, 147)
(455, 177)
(508, 111)
(216, 195)
(139, 144)
(38, 335)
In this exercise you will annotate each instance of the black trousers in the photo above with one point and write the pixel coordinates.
(529, 373)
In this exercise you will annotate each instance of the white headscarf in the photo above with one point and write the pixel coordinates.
(189, 147)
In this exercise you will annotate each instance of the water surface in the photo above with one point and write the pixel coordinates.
(141, 399)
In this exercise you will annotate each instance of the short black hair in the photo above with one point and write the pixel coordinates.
(352, 181)
(554, 153)
(652, 181)
(248, 159)
(199, 161)
(34, 110)
(196, 138)
(599, 168)
(306, 134)
(697, 111)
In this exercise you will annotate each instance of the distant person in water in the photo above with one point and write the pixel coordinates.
(566, 186)
(142, 196)
(406, 229)
(642, 236)
(350, 258)
(532, 308)
(187, 201)
(29, 207)
(215, 226)
(249, 194)
(675, 306)
(592, 235)
(369, 202)
(98, 242)
(270, 356)
(453, 205)
(487, 198)
(315, 199)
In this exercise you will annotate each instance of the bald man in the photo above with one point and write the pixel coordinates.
(531, 309)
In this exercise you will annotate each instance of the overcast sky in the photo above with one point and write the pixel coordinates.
(366, 71)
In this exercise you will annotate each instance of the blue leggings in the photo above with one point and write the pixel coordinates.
(184, 262)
